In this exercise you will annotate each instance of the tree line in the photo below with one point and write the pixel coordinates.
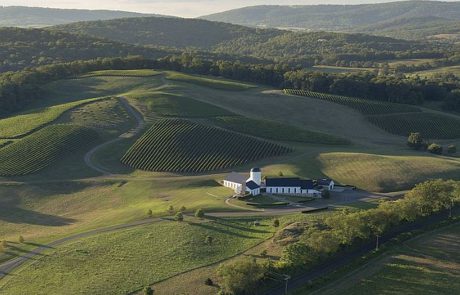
(19, 88)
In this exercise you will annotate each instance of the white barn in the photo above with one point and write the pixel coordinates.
(291, 186)
(240, 184)
(326, 183)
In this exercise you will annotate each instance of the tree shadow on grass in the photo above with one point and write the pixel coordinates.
(19, 215)
(235, 225)
(221, 230)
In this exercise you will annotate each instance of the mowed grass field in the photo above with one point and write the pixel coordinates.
(126, 261)
(455, 70)
(206, 81)
(429, 264)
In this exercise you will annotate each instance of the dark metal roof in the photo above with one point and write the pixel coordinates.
(283, 182)
(324, 181)
(252, 185)
(307, 184)
(236, 178)
(255, 170)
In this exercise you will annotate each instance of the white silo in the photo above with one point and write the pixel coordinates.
(256, 175)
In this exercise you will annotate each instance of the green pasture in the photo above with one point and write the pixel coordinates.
(206, 81)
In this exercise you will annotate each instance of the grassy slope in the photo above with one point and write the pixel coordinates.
(221, 84)
(25, 123)
(126, 261)
(426, 265)
(455, 70)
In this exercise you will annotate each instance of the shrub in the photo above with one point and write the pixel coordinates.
(4, 244)
(264, 253)
(148, 291)
(199, 213)
(209, 282)
(435, 149)
(150, 213)
(182, 209)
(209, 240)
(276, 223)
(21, 239)
(452, 149)
(280, 173)
(179, 216)
(170, 209)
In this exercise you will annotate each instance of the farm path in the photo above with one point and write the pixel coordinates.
(131, 133)
(7, 267)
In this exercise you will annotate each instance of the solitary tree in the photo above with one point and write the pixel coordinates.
(209, 282)
(150, 213)
(170, 209)
(199, 213)
(415, 140)
(280, 173)
(240, 276)
(148, 291)
(21, 239)
(276, 223)
(179, 216)
(182, 209)
(435, 148)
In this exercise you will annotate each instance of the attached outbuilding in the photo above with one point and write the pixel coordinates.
(236, 182)
(252, 188)
(326, 183)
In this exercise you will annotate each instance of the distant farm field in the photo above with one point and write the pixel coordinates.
(42, 148)
(208, 81)
(429, 264)
(25, 123)
(276, 131)
(126, 261)
(455, 70)
(431, 125)
(375, 172)
(121, 73)
(175, 145)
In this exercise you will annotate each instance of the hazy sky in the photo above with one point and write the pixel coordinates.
(185, 8)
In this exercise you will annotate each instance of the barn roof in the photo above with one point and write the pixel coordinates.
(324, 181)
(252, 185)
(307, 184)
(236, 178)
(255, 170)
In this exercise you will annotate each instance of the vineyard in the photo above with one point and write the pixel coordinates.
(26, 123)
(176, 145)
(276, 131)
(364, 106)
(429, 124)
(42, 148)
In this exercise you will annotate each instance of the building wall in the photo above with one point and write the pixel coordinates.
(237, 187)
(290, 191)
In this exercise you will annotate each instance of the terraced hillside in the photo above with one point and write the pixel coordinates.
(43, 148)
(176, 145)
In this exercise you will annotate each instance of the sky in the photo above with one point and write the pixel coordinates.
(183, 8)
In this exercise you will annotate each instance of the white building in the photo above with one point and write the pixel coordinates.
(241, 184)
(291, 186)
(326, 183)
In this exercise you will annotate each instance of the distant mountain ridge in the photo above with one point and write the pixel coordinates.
(343, 17)
(22, 16)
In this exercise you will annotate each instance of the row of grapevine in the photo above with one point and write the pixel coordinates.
(367, 107)
(43, 148)
(178, 145)
(434, 126)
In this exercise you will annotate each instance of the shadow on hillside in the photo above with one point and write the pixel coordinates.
(19, 215)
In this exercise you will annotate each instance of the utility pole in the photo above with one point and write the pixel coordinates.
(377, 245)
(286, 279)
(450, 209)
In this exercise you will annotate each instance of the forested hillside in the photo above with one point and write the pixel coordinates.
(20, 48)
(294, 48)
(362, 18)
(171, 32)
(20, 16)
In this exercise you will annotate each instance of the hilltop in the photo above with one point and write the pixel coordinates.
(22, 16)
(362, 18)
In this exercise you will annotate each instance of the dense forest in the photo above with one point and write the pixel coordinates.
(21, 48)
(297, 49)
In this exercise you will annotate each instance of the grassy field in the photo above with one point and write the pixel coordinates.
(276, 131)
(127, 73)
(429, 264)
(170, 104)
(34, 152)
(455, 70)
(430, 125)
(376, 172)
(175, 145)
(206, 81)
(122, 262)
(25, 123)
(336, 69)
